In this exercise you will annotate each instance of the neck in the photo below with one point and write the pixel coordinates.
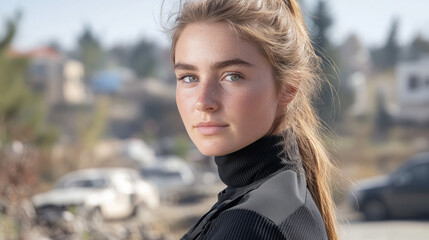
(258, 160)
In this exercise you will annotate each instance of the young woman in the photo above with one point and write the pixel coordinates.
(246, 76)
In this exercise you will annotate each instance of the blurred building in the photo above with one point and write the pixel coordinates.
(57, 77)
(358, 84)
(73, 87)
(413, 90)
(146, 105)
(355, 62)
(354, 57)
(45, 73)
(112, 80)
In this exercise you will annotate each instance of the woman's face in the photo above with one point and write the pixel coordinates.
(225, 93)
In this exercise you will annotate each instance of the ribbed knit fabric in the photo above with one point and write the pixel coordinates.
(266, 197)
(255, 161)
(250, 225)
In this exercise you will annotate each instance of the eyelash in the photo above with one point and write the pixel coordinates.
(185, 76)
(226, 75)
(233, 74)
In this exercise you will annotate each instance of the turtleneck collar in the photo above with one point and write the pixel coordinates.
(258, 160)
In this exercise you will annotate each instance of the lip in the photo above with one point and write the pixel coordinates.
(210, 127)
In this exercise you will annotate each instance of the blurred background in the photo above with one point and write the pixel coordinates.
(92, 145)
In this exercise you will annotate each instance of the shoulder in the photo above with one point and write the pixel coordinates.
(245, 224)
(305, 223)
(283, 201)
(277, 198)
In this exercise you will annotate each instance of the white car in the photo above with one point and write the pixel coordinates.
(107, 193)
(172, 176)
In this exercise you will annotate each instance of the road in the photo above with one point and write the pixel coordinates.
(352, 227)
(386, 230)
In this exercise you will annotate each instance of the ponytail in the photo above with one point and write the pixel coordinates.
(293, 8)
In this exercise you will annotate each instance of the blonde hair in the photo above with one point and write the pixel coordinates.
(278, 28)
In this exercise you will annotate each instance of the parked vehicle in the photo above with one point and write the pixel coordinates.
(404, 193)
(95, 194)
(172, 176)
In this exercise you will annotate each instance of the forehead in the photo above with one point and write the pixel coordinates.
(211, 42)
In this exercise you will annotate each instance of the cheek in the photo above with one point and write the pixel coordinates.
(255, 107)
(183, 105)
(185, 101)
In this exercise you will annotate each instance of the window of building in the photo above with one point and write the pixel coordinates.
(39, 70)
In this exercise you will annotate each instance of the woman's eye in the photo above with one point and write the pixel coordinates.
(233, 77)
(189, 79)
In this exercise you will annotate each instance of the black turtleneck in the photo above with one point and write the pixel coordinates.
(256, 161)
(266, 196)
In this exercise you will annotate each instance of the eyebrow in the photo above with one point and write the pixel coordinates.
(217, 65)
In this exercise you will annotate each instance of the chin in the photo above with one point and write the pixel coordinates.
(210, 148)
(212, 151)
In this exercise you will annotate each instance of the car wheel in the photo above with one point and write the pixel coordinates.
(96, 217)
(375, 210)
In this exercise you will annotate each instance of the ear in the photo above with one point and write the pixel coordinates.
(287, 94)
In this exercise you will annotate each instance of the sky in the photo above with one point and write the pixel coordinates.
(127, 21)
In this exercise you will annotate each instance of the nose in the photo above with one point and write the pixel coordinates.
(207, 100)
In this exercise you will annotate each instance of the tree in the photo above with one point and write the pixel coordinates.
(120, 55)
(24, 136)
(391, 50)
(143, 59)
(21, 110)
(322, 21)
(328, 102)
(90, 53)
(418, 47)
(387, 56)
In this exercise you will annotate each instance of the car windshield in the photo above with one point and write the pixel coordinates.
(160, 173)
(83, 183)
